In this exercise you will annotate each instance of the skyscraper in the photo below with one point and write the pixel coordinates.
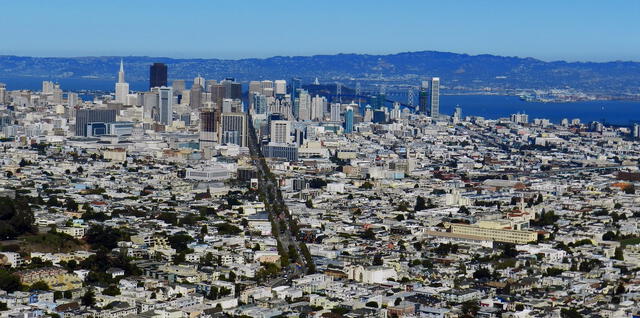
(434, 97)
(318, 107)
(199, 81)
(423, 98)
(157, 75)
(295, 85)
(233, 129)
(280, 87)
(348, 120)
(89, 116)
(304, 105)
(259, 102)
(178, 86)
(208, 125)
(122, 87)
(165, 105)
(3, 93)
(280, 131)
(335, 112)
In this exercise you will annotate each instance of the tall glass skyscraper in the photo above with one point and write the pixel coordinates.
(157, 75)
(295, 85)
(348, 120)
(434, 97)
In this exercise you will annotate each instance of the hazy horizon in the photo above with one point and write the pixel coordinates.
(546, 30)
(310, 55)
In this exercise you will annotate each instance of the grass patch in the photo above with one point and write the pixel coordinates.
(50, 243)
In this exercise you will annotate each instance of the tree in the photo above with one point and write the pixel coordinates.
(309, 204)
(89, 298)
(609, 236)
(367, 185)
(463, 210)
(317, 183)
(420, 204)
(16, 218)
(71, 205)
(482, 273)
(204, 230)
(377, 260)
(9, 282)
(39, 285)
(470, 308)
(397, 301)
(371, 304)
(509, 251)
(368, 234)
(619, 254)
(104, 237)
(570, 313)
(112, 290)
(179, 241)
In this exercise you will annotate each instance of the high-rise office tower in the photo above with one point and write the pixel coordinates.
(304, 105)
(157, 75)
(165, 105)
(434, 97)
(233, 129)
(232, 89)
(266, 84)
(122, 87)
(208, 125)
(280, 87)
(208, 84)
(296, 84)
(47, 87)
(150, 109)
(280, 131)
(259, 102)
(3, 93)
(457, 114)
(178, 86)
(72, 100)
(348, 120)
(89, 116)
(335, 112)
(199, 81)
(208, 131)
(217, 95)
(318, 107)
(232, 105)
(195, 96)
(423, 98)
(368, 114)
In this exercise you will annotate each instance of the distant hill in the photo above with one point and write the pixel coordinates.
(456, 70)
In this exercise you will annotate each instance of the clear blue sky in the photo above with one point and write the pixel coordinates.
(549, 30)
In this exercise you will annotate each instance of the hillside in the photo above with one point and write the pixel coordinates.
(469, 71)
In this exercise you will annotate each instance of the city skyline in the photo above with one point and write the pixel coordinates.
(546, 31)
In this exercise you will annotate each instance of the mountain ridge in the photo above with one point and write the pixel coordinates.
(479, 71)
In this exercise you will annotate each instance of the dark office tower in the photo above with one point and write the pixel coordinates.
(295, 85)
(423, 99)
(158, 75)
(208, 125)
(88, 116)
(195, 96)
(232, 89)
(218, 93)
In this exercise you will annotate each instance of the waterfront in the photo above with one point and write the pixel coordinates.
(488, 106)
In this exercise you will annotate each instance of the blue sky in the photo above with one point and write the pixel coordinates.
(550, 30)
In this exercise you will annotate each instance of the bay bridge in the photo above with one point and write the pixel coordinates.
(407, 98)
